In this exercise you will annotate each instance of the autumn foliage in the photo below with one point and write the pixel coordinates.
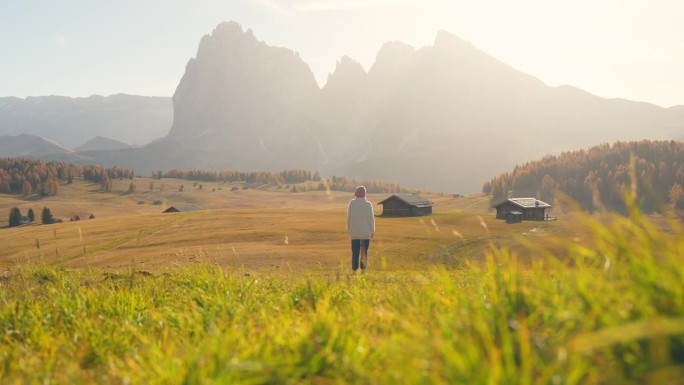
(601, 175)
(32, 176)
(336, 183)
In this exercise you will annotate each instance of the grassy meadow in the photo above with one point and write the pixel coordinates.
(256, 289)
(254, 228)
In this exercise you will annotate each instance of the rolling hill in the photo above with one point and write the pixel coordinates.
(101, 143)
(30, 145)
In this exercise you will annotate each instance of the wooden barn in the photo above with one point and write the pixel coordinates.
(180, 209)
(518, 209)
(402, 205)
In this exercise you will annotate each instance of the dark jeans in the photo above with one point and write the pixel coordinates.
(356, 249)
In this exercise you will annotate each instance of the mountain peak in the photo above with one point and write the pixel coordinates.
(396, 48)
(228, 28)
(392, 56)
(233, 28)
(446, 39)
(233, 75)
(226, 34)
(347, 71)
(346, 61)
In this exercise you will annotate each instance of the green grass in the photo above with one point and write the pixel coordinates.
(611, 314)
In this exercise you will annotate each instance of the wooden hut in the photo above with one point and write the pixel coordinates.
(518, 209)
(402, 205)
(180, 209)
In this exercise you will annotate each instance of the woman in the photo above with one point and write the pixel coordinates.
(360, 226)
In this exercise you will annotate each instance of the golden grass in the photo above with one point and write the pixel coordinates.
(256, 229)
(612, 312)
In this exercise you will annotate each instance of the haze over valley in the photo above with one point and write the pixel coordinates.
(444, 117)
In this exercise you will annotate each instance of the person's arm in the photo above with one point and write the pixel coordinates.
(348, 216)
(372, 220)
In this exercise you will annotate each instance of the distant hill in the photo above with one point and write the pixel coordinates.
(102, 143)
(29, 145)
(72, 121)
(601, 175)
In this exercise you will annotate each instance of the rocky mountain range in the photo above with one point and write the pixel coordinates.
(441, 116)
(445, 117)
(135, 120)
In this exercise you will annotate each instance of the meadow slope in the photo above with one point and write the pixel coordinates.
(611, 314)
(255, 228)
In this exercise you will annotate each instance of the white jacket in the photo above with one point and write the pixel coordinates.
(360, 219)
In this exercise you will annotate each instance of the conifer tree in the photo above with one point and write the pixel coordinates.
(677, 196)
(14, 217)
(46, 216)
(26, 188)
(106, 182)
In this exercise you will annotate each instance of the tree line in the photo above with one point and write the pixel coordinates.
(336, 183)
(230, 176)
(32, 176)
(601, 176)
(340, 183)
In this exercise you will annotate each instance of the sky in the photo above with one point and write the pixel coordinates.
(632, 49)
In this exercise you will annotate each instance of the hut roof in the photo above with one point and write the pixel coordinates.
(173, 209)
(525, 203)
(410, 199)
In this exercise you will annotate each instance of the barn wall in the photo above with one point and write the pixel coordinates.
(535, 213)
(421, 210)
(505, 208)
(530, 214)
(395, 208)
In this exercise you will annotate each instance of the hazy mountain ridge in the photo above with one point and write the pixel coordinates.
(444, 117)
(29, 145)
(72, 121)
(102, 143)
(415, 114)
